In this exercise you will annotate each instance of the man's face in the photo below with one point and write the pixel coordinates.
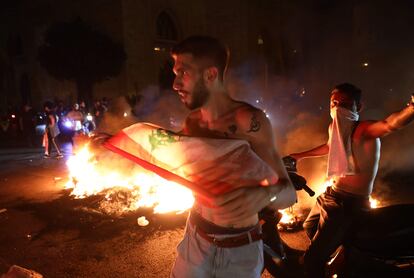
(339, 99)
(189, 82)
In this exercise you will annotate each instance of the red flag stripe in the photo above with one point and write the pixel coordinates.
(160, 171)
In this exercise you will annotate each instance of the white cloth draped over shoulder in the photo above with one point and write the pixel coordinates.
(207, 166)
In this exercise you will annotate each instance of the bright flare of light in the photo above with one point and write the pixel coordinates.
(287, 216)
(267, 114)
(125, 114)
(89, 117)
(320, 184)
(373, 202)
(68, 123)
(87, 178)
(142, 221)
(365, 64)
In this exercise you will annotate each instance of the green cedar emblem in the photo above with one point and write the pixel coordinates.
(161, 137)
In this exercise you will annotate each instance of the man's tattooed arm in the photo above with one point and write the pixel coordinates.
(232, 128)
(254, 124)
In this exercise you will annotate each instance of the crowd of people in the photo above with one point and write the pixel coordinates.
(224, 238)
(28, 127)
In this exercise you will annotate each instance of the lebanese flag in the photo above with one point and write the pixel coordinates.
(207, 166)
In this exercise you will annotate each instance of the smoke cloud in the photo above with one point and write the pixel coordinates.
(299, 116)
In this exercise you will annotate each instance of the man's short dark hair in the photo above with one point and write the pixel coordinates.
(204, 47)
(48, 104)
(351, 91)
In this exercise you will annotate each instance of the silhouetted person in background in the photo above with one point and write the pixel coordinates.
(51, 131)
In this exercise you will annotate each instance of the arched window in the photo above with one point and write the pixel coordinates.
(166, 37)
(166, 29)
(166, 32)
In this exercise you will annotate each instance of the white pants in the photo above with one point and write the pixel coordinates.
(198, 258)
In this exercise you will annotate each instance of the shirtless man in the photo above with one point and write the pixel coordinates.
(76, 116)
(354, 150)
(224, 240)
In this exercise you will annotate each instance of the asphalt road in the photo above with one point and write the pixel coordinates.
(45, 229)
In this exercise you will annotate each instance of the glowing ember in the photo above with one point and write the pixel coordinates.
(373, 202)
(127, 191)
(291, 220)
(287, 216)
(142, 221)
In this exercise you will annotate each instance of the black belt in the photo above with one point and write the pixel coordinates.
(245, 238)
(211, 228)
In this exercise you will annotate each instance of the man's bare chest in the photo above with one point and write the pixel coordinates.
(225, 129)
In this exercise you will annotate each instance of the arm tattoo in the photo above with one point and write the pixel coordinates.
(232, 128)
(254, 124)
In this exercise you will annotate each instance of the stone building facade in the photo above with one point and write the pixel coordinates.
(146, 28)
(317, 43)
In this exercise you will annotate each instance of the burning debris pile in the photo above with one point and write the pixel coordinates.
(123, 185)
(292, 219)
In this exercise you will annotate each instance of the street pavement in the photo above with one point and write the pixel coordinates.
(45, 229)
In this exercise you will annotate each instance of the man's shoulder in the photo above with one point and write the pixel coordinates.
(244, 112)
(241, 105)
(251, 120)
(362, 125)
(193, 115)
(362, 129)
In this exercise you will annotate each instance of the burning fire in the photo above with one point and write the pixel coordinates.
(142, 189)
(287, 216)
(125, 192)
(373, 202)
(291, 219)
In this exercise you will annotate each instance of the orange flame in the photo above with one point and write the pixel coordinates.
(374, 203)
(287, 216)
(146, 189)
